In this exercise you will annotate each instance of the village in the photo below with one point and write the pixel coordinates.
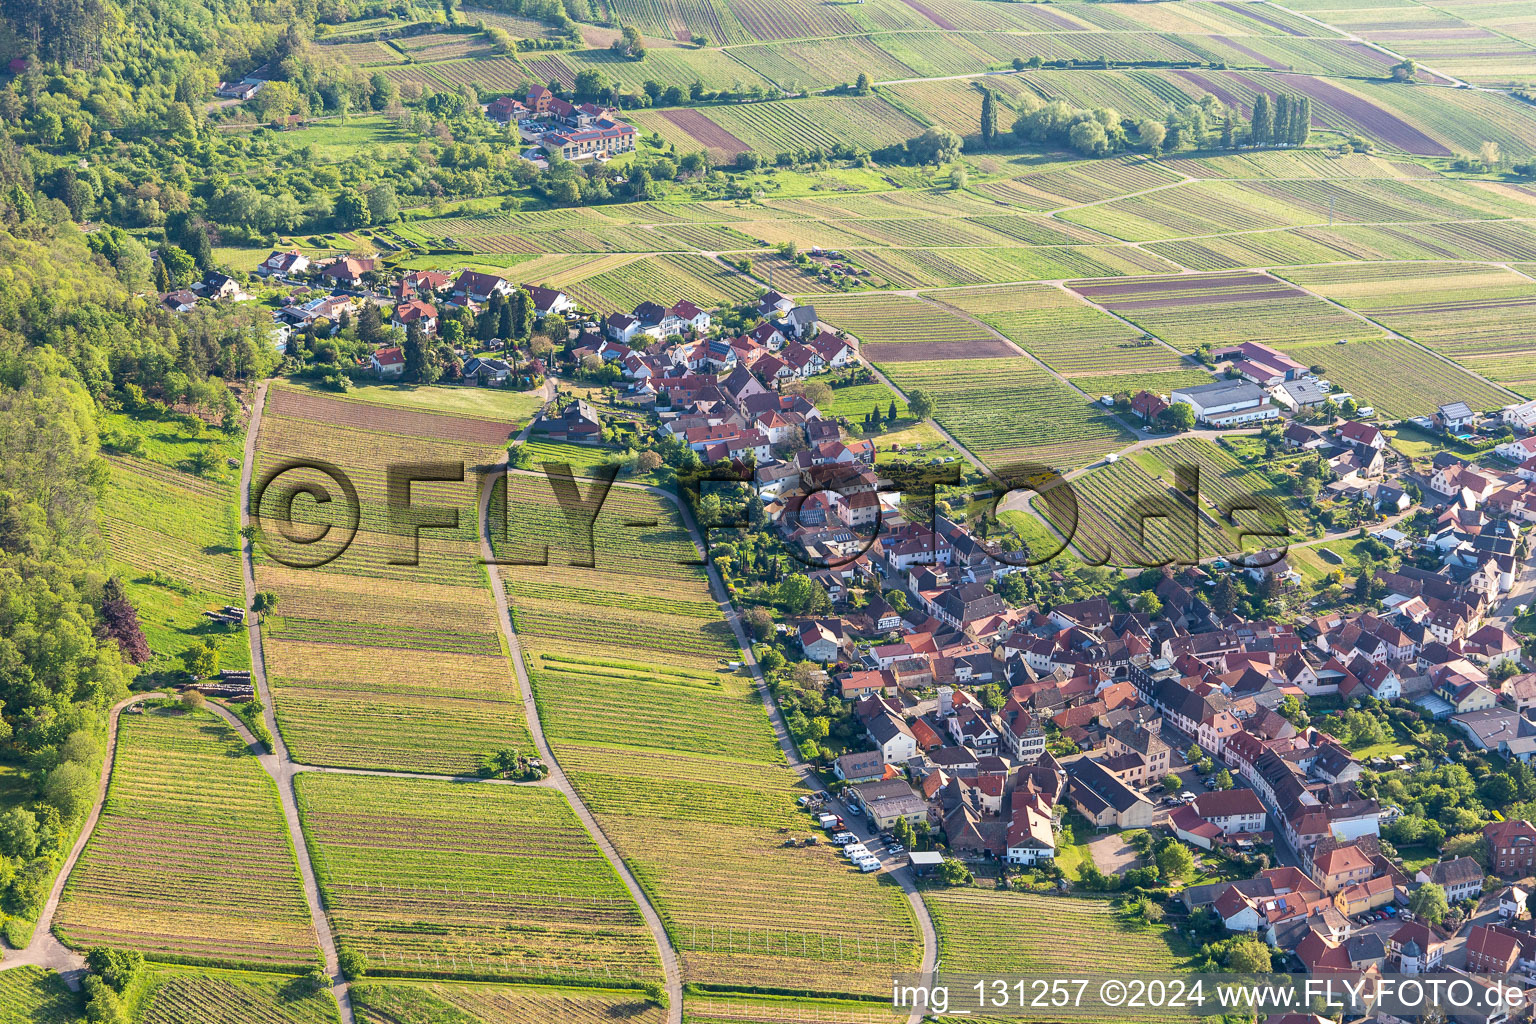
(1309, 769)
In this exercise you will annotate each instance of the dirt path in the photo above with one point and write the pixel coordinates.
(671, 968)
(45, 949)
(894, 866)
(278, 763)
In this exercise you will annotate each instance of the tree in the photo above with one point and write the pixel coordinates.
(18, 833)
(1089, 138)
(193, 700)
(383, 207)
(953, 872)
(1261, 130)
(1228, 133)
(1181, 415)
(1174, 860)
(890, 413)
(1248, 955)
(1152, 135)
(1172, 782)
(861, 84)
(797, 594)
(116, 967)
(202, 659)
(1150, 604)
(1404, 71)
(1301, 121)
(1489, 156)
(988, 118)
(1428, 903)
(957, 177)
(521, 305)
(1281, 128)
(935, 146)
(351, 210)
(920, 404)
(70, 789)
(121, 622)
(1223, 779)
(759, 622)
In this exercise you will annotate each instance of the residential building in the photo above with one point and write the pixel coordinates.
(1226, 403)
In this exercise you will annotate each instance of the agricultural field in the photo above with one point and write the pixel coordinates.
(485, 880)
(665, 741)
(1225, 309)
(172, 533)
(234, 997)
(666, 278)
(1227, 485)
(1010, 410)
(401, 1002)
(1125, 517)
(200, 873)
(1017, 933)
(1482, 317)
(36, 995)
(375, 662)
(1070, 336)
(898, 328)
(783, 125)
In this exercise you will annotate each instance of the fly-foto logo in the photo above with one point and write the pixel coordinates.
(308, 512)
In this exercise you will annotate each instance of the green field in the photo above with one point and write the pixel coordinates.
(394, 1002)
(189, 872)
(35, 995)
(666, 744)
(373, 662)
(1010, 411)
(481, 880)
(234, 997)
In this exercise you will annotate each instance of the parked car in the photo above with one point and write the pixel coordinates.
(1187, 797)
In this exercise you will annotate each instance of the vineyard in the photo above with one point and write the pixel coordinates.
(1225, 483)
(1128, 519)
(1010, 410)
(786, 125)
(198, 873)
(896, 328)
(374, 663)
(35, 995)
(1020, 933)
(1224, 309)
(230, 997)
(664, 744)
(1065, 333)
(663, 278)
(399, 1002)
(1482, 317)
(487, 881)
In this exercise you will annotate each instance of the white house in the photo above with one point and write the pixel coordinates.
(388, 362)
(1521, 416)
(1226, 403)
(1518, 450)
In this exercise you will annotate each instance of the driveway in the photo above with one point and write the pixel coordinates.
(1112, 854)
